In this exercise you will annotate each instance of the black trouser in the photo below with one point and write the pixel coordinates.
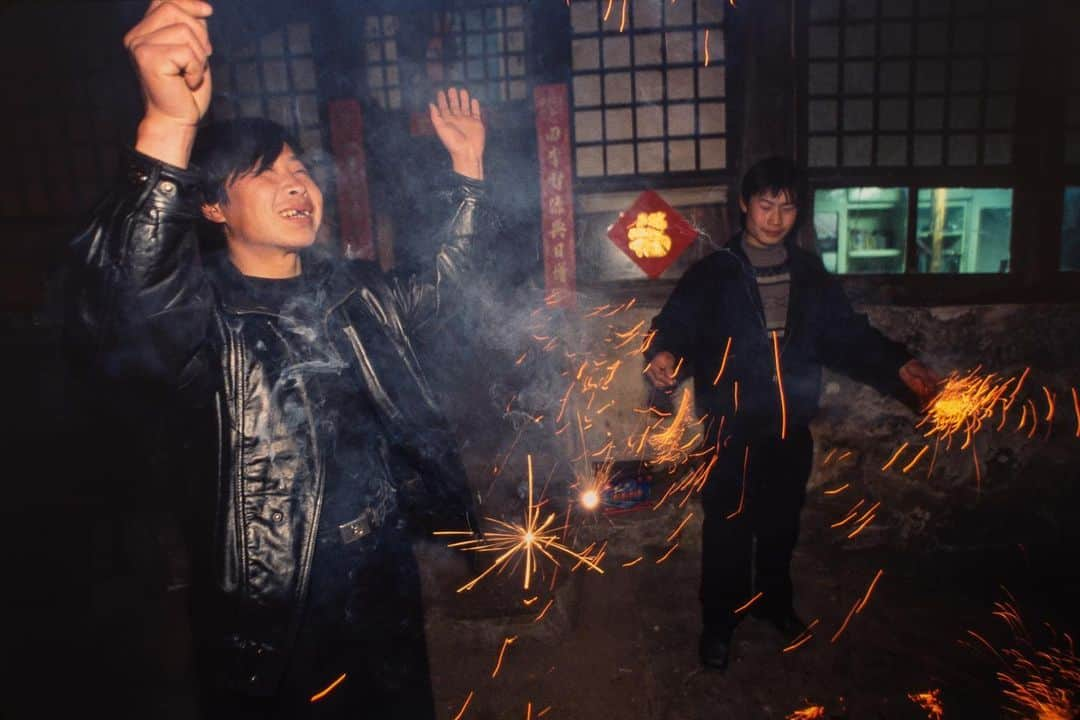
(379, 644)
(751, 525)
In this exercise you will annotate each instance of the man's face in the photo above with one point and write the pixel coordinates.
(280, 208)
(769, 218)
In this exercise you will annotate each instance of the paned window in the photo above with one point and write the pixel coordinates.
(274, 77)
(911, 83)
(482, 48)
(649, 87)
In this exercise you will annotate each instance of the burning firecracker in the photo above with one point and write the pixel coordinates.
(1039, 681)
(516, 543)
(930, 701)
(965, 403)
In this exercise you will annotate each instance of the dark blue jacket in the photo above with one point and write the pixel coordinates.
(717, 298)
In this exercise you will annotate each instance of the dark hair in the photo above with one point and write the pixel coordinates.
(775, 175)
(228, 149)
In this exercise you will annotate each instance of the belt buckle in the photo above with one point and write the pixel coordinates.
(357, 529)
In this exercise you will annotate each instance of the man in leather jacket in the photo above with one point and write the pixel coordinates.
(753, 324)
(310, 438)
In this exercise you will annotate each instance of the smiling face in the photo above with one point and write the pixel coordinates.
(270, 215)
(769, 218)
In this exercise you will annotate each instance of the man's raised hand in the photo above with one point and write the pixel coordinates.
(171, 48)
(460, 127)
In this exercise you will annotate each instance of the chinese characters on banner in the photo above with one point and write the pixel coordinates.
(556, 194)
(652, 234)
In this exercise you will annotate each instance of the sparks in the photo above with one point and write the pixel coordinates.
(543, 612)
(1076, 409)
(666, 555)
(748, 603)
(844, 625)
(678, 530)
(518, 542)
(894, 458)
(461, 712)
(507, 642)
(915, 460)
(964, 403)
(780, 386)
(328, 689)
(1040, 680)
(802, 638)
(869, 590)
(723, 362)
(930, 701)
(742, 490)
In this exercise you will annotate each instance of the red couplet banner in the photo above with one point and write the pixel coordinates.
(556, 192)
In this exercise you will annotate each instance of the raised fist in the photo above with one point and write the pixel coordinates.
(171, 49)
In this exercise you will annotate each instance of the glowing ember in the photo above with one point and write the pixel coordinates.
(1041, 683)
(811, 712)
(590, 499)
(964, 403)
(929, 701)
(461, 712)
(507, 642)
(669, 446)
(519, 542)
(328, 689)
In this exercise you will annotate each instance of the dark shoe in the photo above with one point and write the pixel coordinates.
(715, 650)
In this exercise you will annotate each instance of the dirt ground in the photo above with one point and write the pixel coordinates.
(625, 644)
(617, 645)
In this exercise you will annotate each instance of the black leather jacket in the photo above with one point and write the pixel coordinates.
(149, 309)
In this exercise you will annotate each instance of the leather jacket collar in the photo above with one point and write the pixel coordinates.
(317, 267)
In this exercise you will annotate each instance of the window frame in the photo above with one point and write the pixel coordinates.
(731, 100)
(1038, 137)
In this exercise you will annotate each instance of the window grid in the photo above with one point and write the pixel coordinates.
(483, 48)
(383, 74)
(601, 106)
(859, 51)
(273, 78)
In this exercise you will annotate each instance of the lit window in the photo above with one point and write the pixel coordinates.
(963, 230)
(862, 229)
